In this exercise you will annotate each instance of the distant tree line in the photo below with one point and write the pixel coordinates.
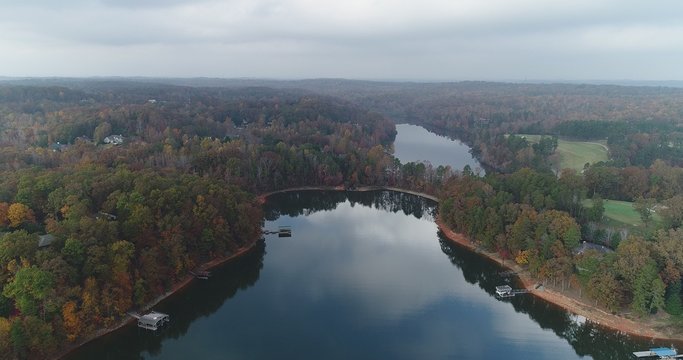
(128, 221)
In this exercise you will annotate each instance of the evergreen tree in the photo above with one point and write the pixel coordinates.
(674, 306)
(648, 290)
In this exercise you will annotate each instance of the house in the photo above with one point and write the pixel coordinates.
(592, 246)
(58, 147)
(114, 139)
(153, 320)
(45, 240)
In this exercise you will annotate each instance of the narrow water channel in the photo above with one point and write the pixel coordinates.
(415, 143)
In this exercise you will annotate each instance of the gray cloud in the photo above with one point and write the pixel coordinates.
(135, 4)
(429, 39)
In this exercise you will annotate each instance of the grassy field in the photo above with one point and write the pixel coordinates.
(574, 154)
(620, 213)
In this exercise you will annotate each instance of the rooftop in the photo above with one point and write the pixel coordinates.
(585, 246)
(154, 316)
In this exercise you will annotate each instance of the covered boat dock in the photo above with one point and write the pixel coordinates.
(153, 320)
(658, 353)
(505, 291)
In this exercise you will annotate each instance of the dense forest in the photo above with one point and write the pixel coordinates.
(112, 191)
(110, 195)
(534, 214)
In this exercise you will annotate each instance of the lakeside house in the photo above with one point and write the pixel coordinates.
(585, 246)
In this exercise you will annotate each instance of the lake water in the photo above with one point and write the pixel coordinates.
(415, 143)
(364, 276)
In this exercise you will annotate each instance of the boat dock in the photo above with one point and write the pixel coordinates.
(282, 231)
(201, 274)
(152, 320)
(133, 314)
(506, 291)
(658, 353)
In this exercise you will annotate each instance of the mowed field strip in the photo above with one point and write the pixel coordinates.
(574, 154)
(622, 212)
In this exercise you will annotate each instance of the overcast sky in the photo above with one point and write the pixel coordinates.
(359, 39)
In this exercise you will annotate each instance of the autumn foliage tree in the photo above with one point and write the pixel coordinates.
(129, 221)
(18, 214)
(72, 323)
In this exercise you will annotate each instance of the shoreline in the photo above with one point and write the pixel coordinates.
(577, 306)
(262, 198)
(644, 329)
(184, 283)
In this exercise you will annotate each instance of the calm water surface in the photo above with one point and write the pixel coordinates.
(364, 276)
(415, 143)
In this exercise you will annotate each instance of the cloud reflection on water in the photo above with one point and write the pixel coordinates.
(389, 267)
(380, 258)
(415, 143)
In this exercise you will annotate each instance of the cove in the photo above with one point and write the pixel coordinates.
(415, 143)
(365, 275)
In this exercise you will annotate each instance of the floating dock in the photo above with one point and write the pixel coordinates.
(658, 353)
(283, 231)
(201, 274)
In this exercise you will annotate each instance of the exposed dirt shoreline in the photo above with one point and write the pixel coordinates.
(647, 328)
(574, 305)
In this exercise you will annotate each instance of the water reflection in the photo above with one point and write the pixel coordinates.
(415, 143)
(389, 269)
(201, 299)
(364, 276)
(304, 203)
(586, 338)
(364, 256)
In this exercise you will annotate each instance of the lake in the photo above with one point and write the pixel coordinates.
(364, 276)
(415, 143)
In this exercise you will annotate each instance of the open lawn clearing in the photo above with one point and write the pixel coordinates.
(575, 154)
(622, 212)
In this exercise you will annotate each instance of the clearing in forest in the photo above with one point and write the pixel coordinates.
(575, 154)
(620, 213)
